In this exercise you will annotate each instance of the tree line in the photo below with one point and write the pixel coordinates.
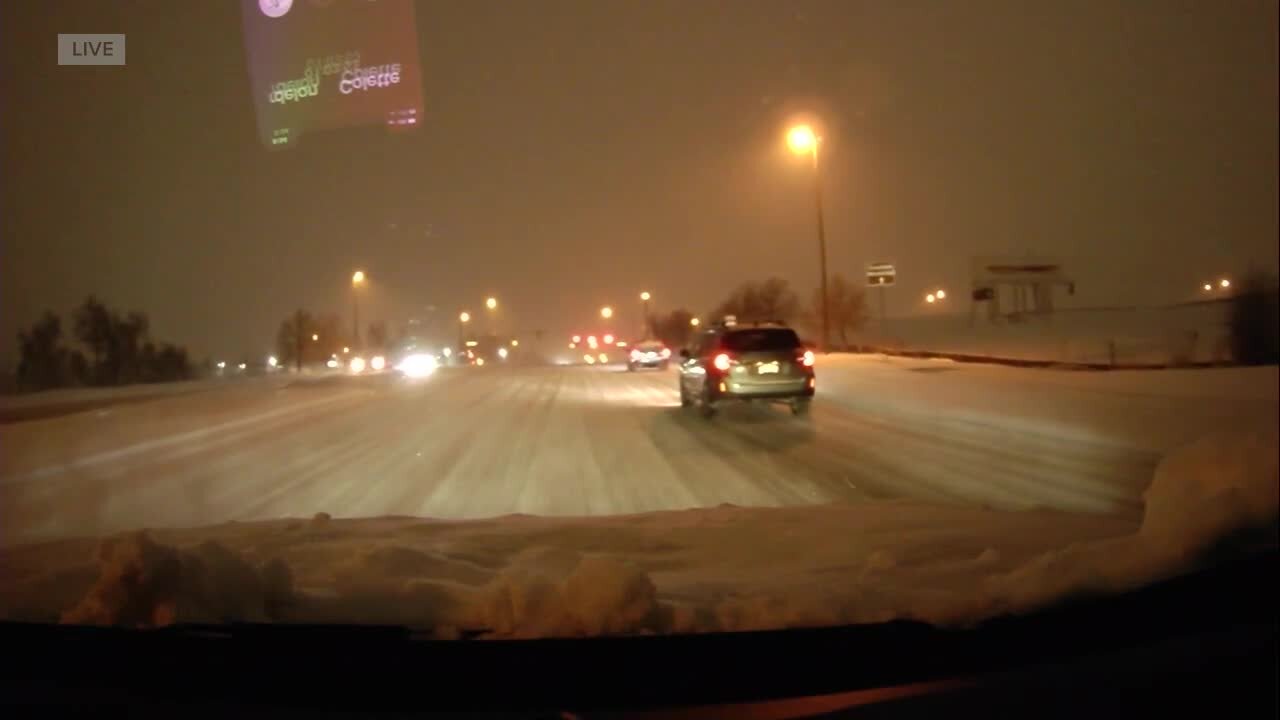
(305, 338)
(113, 349)
(773, 300)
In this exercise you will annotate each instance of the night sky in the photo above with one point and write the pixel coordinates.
(577, 152)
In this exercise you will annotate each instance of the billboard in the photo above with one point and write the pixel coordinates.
(319, 65)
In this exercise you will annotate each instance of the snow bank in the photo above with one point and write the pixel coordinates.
(145, 584)
(1176, 335)
(713, 569)
(1202, 495)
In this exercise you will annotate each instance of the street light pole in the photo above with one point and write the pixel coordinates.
(463, 318)
(822, 247)
(802, 139)
(357, 279)
(644, 330)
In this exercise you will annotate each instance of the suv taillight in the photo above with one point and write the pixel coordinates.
(722, 361)
(666, 352)
(807, 359)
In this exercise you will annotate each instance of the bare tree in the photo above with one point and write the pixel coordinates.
(293, 337)
(377, 335)
(847, 307)
(42, 360)
(772, 299)
(673, 329)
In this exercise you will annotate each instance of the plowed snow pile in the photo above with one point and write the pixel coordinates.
(723, 568)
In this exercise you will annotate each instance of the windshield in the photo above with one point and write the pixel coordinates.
(440, 313)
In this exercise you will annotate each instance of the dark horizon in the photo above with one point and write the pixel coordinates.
(576, 153)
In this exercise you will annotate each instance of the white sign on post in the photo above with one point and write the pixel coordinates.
(880, 274)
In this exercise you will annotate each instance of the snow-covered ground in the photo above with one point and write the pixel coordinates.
(52, 403)
(717, 569)
(596, 441)
(926, 489)
(1174, 335)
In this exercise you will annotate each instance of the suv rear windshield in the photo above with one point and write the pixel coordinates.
(760, 340)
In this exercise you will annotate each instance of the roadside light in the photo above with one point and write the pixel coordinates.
(695, 322)
(929, 298)
(801, 139)
(314, 337)
(589, 360)
(606, 312)
(1208, 287)
(1225, 283)
(515, 343)
(591, 342)
(357, 364)
(464, 316)
(332, 363)
(604, 358)
(722, 362)
(480, 362)
(645, 296)
(622, 343)
(491, 303)
(446, 352)
(378, 362)
(472, 343)
(272, 361)
(222, 364)
(346, 350)
(941, 294)
(577, 339)
(573, 345)
(608, 339)
(502, 353)
(242, 366)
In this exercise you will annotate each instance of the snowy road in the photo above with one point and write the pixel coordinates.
(469, 443)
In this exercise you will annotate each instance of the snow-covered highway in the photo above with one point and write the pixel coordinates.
(591, 441)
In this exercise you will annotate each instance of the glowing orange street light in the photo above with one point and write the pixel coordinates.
(801, 139)
(804, 141)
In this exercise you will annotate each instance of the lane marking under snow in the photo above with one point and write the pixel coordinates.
(163, 442)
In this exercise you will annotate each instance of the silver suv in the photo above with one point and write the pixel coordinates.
(757, 361)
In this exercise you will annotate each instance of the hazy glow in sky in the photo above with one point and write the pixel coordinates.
(570, 154)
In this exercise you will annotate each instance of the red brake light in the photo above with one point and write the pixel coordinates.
(666, 352)
(722, 361)
(807, 358)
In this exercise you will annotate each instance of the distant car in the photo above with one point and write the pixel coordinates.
(648, 354)
(749, 362)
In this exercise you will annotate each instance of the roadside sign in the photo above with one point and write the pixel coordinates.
(881, 274)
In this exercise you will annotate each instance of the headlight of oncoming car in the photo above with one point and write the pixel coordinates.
(416, 366)
(378, 362)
